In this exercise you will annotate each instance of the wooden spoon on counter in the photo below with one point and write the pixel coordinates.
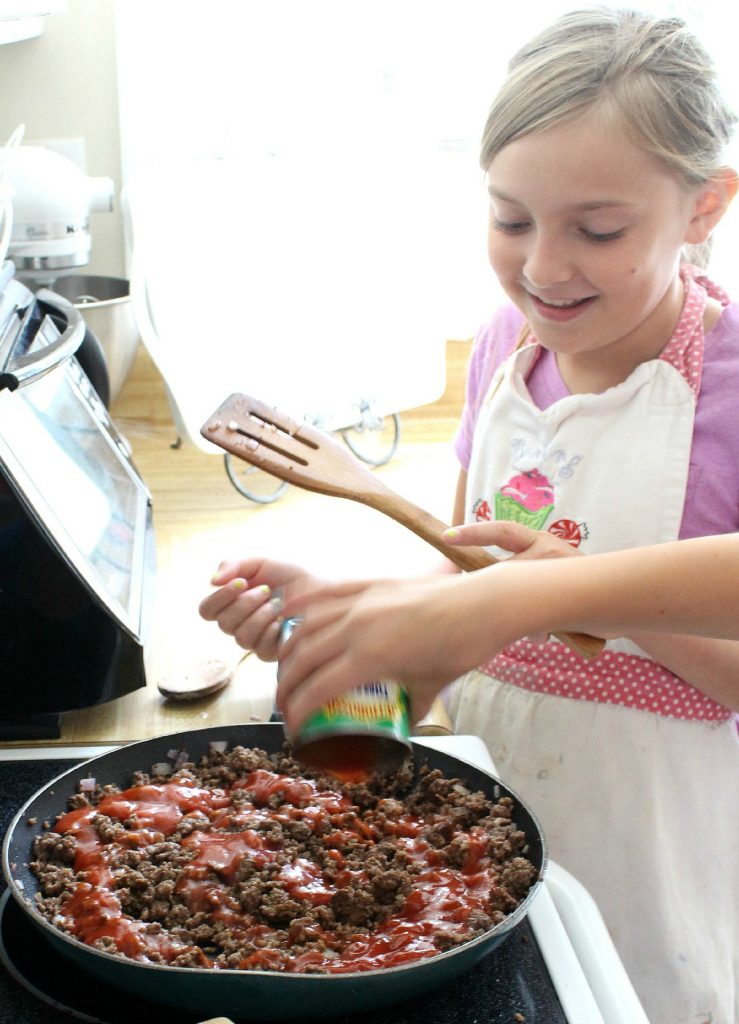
(200, 680)
(310, 458)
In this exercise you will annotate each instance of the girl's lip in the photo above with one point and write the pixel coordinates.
(560, 313)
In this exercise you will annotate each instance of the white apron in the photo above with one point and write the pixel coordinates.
(642, 809)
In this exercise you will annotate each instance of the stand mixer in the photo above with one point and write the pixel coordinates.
(52, 200)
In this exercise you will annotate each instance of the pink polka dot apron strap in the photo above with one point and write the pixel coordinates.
(715, 291)
(684, 350)
(614, 677)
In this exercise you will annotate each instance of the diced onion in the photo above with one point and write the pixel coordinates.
(218, 746)
(87, 785)
(19, 882)
(161, 768)
(172, 754)
(182, 758)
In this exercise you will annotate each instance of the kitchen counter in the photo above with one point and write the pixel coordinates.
(145, 713)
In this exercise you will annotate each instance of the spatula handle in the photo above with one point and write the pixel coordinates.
(430, 529)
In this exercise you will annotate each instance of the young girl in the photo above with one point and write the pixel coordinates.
(600, 408)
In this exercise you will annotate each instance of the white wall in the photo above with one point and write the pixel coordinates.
(62, 85)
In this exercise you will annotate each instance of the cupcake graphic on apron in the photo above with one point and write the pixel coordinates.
(527, 498)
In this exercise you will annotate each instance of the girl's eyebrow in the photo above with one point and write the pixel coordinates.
(591, 204)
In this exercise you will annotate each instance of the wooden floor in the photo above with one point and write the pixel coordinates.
(200, 518)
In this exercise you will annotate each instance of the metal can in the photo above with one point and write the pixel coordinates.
(363, 730)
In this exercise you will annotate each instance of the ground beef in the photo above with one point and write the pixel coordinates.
(249, 861)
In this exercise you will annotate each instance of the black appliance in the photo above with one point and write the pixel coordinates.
(76, 535)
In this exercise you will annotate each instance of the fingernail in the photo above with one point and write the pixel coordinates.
(238, 584)
(265, 590)
(277, 603)
(452, 532)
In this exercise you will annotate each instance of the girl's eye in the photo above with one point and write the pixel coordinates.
(510, 227)
(608, 236)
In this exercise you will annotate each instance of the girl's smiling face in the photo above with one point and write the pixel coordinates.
(585, 236)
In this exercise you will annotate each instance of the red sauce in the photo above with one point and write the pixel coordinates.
(440, 897)
(223, 852)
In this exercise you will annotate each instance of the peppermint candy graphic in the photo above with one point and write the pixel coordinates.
(567, 529)
(481, 511)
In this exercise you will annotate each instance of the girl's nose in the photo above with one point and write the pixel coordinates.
(547, 261)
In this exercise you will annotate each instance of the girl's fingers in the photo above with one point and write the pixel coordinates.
(321, 613)
(503, 533)
(266, 647)
(312, 646)
(316, 689)
(245, 616)
(315, 595)
(214, 604)
(257, 571)
(228, 569)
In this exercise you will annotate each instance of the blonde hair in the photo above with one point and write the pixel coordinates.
(652, 72)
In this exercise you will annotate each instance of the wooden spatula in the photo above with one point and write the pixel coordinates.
(312, 459)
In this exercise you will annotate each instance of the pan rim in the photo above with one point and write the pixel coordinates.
(55, 934)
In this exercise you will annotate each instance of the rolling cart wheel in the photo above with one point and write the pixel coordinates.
(373, 439)
(253, 482)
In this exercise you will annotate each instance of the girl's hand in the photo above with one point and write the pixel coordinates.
(360, 631)
(522, 541)
(246, 605)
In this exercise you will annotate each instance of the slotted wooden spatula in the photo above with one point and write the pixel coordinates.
(312, 459)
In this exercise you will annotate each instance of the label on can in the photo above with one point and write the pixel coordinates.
(379, 708)
(373, 719)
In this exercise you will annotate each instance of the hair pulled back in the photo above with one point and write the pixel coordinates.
(652, 73)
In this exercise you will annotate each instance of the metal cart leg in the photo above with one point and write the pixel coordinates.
(373, 439)
(253, 482)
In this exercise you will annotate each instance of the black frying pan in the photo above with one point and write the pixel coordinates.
(250, 994)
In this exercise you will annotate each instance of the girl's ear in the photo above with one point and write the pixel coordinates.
(711, 203)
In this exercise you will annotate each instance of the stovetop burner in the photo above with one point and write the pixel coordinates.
(39, 986)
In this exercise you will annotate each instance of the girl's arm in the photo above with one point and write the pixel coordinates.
(711, 665)
(427, 632)
(689, 587)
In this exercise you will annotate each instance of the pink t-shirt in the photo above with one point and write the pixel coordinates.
(711, 507)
